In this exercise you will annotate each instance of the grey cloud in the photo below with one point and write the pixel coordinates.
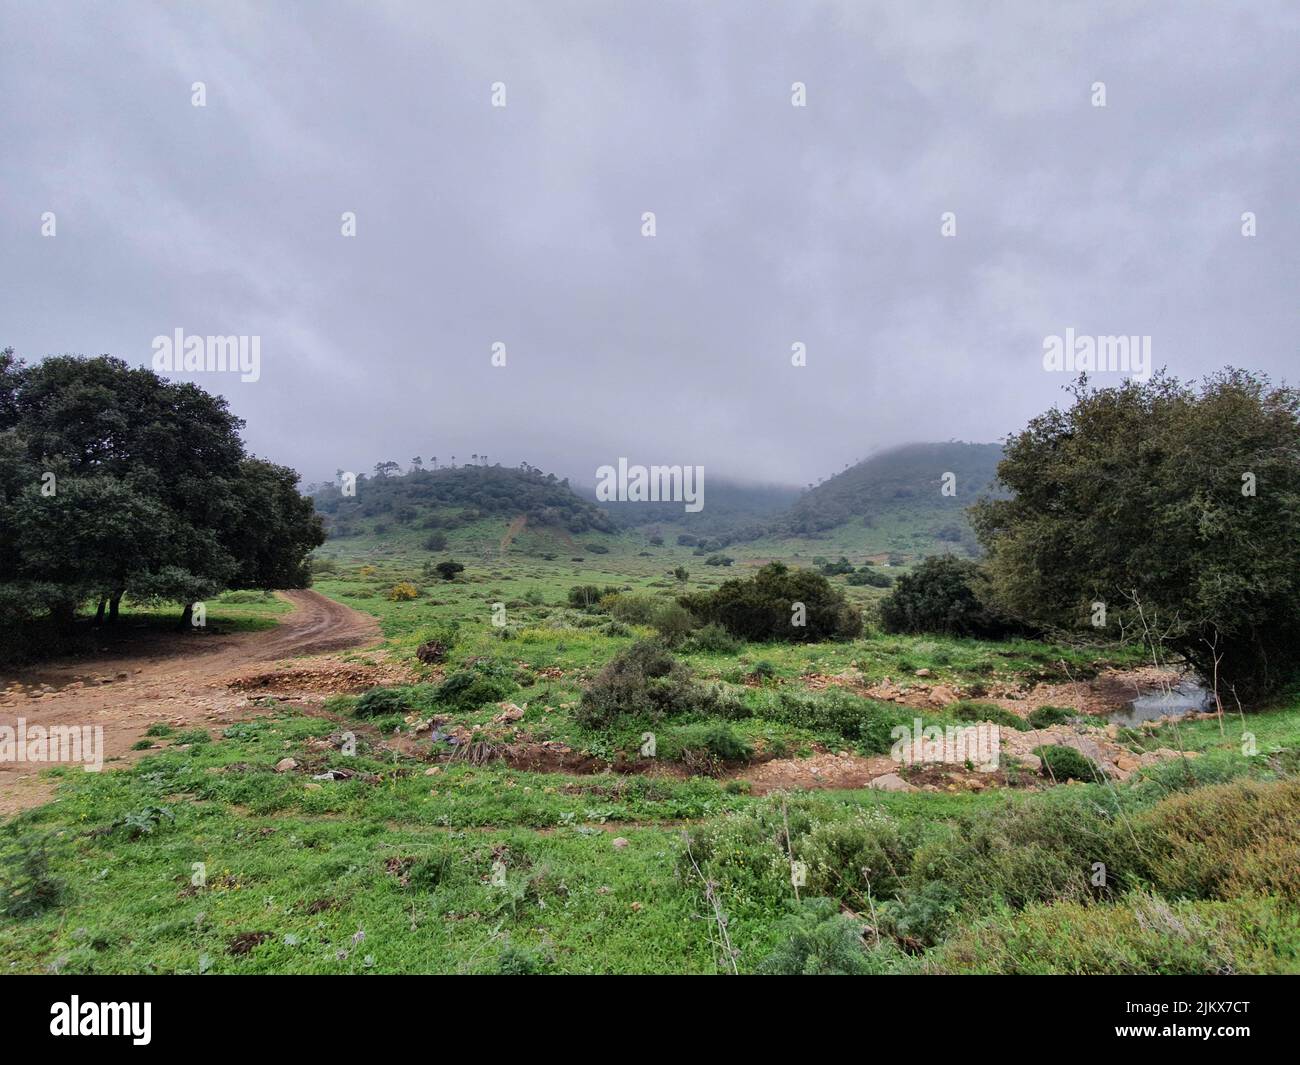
(775, 224)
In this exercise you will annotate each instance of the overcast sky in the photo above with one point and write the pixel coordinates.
(522, 224)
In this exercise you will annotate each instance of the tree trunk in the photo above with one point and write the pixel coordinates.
(184, 622)
(99, 612)
(114, 600)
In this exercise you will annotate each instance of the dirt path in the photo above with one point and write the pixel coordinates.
(182, 679)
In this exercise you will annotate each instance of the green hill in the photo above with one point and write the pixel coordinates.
(902, 489)
(491, 502)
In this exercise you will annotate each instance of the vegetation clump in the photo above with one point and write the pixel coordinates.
(778, 603)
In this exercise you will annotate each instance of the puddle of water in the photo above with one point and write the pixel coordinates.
(1186, 697)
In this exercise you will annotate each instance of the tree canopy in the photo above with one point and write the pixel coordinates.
(1164, 511)
(115, 481)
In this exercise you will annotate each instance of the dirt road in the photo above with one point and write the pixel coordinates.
(182, 679)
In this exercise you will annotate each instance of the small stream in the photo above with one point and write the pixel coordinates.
(1187, 697)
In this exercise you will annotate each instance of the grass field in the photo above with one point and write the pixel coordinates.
(201, 857)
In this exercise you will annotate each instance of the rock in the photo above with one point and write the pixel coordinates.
(922, 673)
(940, 696)
(620, 843)
(433, 771)
(285, 765)
(310, 786)
(891, 782)
(124, 675)
(509, 712)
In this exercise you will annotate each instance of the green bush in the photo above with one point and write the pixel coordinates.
(1037, 848)
(633, 608)
(380, 702)
(674, 623)
(705, 741)
(819, 941)
(870, 578)
(449, 569)
(714, 639)
(1140, 935)
(585, 596)
(1046, 716)
(469, 689)
(970, 710)
(27, 886)
(1065, 763)
(520, 961)
(863, 856)
(943, 595)
(862, 721)
(762, 607)
(644, 682)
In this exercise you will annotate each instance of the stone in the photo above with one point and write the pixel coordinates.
(285, 765)
(891, 782)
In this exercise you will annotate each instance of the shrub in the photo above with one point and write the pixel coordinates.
(520, 961)
(714, 639)
(448, 570)
(863, 721)
(27, 887)
(942, 595)
(644, 681)
(1039, 848)
(969, 710)
(1141, 935)
(719, 560)
(870, 578)
(706, 742)
(632, 608)
(380, 702)
(762, 607)
(1065, 763)
(403, 592)
(437, 643)
(1046, 716)
(469, 689)
(864, 855)
(1240, 838)
(674, 623)
(820, 941)
(588, 596)
(918, 918)
(436, 541)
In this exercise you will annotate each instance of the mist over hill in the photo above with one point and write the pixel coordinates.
(903, 487)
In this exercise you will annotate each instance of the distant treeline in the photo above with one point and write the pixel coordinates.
(448, 497)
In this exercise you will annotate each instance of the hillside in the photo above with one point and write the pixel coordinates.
(453, 498)
(901, 486)
(733, 510)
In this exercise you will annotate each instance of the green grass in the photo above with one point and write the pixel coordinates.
(475, 867)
